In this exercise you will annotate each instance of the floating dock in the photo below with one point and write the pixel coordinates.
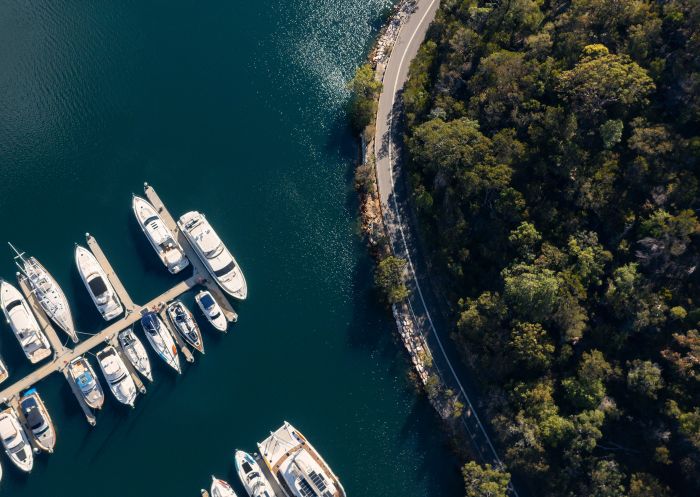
(133, 312)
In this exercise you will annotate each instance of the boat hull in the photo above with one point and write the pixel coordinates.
(136, 353)
(93, 276)
(184, 330)
(117, 375)
(172, 256)
(23, 323)
(45, 439)
(162, 342)
(215, 316)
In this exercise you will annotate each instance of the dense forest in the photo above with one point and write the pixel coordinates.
(554, 151)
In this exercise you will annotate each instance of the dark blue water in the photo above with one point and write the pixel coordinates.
(234, 109)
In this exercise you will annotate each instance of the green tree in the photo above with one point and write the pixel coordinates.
(644, 378)
(532, 291)
(602, 79)
(645, 485)
(364, 92)
(531, 346)
(587, 389)
(390, 278)
(607, 480)
(485, 481)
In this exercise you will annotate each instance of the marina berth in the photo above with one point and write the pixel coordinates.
(97, 284)
(297, 466)
(48, 293)
(184, 323)
(39, 422)
(160, 339)
(135, 352)
(161, 238)
(117, 375)
(220, 488)
(252, 478)
(15, 441)
(81, 373)
(4, 373)
(213, 253)
(23, 323)
(211, 310)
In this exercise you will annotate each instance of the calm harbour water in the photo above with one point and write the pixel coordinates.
(234, 109)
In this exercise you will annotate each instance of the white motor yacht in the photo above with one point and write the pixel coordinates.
(161, 340)
(117, 375)
(48, 293)
(211, 310)
(298, 468)
(23, 323)
(251, 476)
(38, 420)
(220, 488)
(15, 441)
(81, 373)
(216, 257)
(184, 322)
(162, 239)
(97, 284)
(136, 353)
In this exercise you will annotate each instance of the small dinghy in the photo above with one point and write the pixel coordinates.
(211, 310)
(97, 284)
(161, 340)
(82, 374)
(136, 353)
(184, 323)
(161, 238)
(219, 488)
(117, 375)
(23, 323)
(15, 441)
(251, 476)
(38, 420)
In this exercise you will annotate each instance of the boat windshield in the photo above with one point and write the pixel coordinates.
(207, 301)
(225, 270)
(97, 286)
(12, 305)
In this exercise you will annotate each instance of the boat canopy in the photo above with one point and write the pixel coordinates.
(97, 286)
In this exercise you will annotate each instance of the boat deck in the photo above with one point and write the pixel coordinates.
(133, 312)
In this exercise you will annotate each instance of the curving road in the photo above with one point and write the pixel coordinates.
(397, 220)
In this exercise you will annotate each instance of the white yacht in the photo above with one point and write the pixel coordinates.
(4, 373)
(162, 239)
(38, 420)
(161, 340)
(220, 488)
(184, 322)
(15, 441)
(48, 293)
(97, 284)
(211, 310)
(136, 353)
(117, 375)
(23, 323)
(81, 373)
(297, 466)
(251, 476)
(214, 254)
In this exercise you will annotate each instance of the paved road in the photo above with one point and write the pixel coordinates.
(398, 223)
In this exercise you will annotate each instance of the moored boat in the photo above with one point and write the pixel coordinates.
(252, 477)
(159, 235)
(48, 293)
(4, 373)
(211, 310)
(136, 353)
(213, 253)
(117, 375)
(81, 373)
(296, 465)
(221, 488)
(23, 323)
(15, 441)
(184, 323)
(40, 425)
(161, 340)
(97, 284)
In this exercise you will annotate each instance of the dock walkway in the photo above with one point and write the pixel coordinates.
(133, 312)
